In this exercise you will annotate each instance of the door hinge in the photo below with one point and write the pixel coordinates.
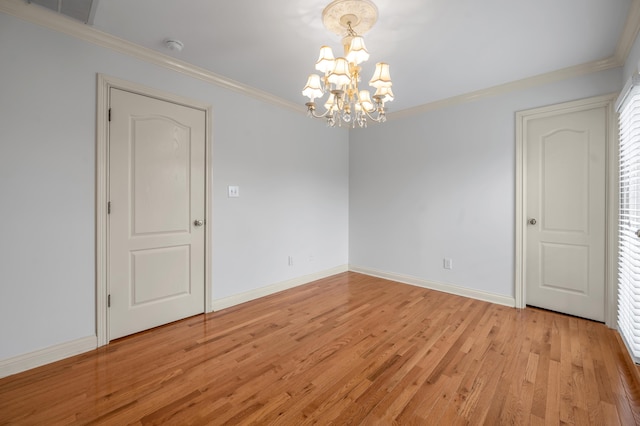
(109, 301)
(109, 207)
(109, 114)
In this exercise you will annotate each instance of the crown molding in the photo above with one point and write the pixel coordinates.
(525, 83)
(629, 33)
(45, 18)
(623, 48)
(61, 23)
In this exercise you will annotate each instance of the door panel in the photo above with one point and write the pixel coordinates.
(160, 162)
(159, 274)
(565, 250)
(565, 177)
(564, 267)
(156, 191)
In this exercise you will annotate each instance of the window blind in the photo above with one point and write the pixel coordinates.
(629, 218)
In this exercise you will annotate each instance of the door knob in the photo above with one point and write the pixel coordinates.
(532, 222)
(198, 222)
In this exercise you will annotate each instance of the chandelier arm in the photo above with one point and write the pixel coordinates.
(311, 110)
(378, 118)
(323, 115)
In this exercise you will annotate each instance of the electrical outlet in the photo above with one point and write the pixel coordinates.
(447, 263)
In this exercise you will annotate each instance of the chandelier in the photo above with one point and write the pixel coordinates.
(346, 102)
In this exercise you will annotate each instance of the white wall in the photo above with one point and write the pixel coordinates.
(420, 188)
(442, 184)
(292, 173)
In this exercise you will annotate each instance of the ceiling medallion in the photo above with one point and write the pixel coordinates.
(345, 102)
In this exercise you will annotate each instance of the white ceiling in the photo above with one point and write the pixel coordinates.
(437, 48)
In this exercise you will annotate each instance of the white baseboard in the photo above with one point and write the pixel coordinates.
(446, 288)
(48, 355)
(237, 299)
(51, 354)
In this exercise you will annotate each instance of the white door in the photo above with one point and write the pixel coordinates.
(156, 195)
(565, 208)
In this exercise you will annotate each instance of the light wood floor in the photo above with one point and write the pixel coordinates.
(349, 349)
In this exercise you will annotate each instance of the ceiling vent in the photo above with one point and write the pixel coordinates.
(81, 10)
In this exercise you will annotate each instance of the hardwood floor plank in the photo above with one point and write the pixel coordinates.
(566, 381)
(590, 381)
(539, 402)
(348, 349)
(512, 410)
(489, 377)
(610, 414)
(552, 413)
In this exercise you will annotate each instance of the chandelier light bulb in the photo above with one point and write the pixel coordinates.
(381, 76)
(365, 101)
(331, 102)
(384, 93)
(340, 75)
(313, 88)
(357, 51)
(326, 61)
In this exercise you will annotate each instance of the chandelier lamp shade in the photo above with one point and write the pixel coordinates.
(346, 103)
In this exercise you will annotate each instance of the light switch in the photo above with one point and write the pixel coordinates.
(234, 191)
(447, 263)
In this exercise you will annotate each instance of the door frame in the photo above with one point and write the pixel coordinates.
(611, 196)
(104, 84)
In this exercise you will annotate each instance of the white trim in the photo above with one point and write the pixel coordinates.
(61, 23)
(433, 285)
(631, 82)
(521, 171)
(522, 117)
(102, 190)
(48, 355)
(623, 48)
(629, 33)
(58, 22)
(237, 299)
(612, 214)
(208, 211)
(525, 83)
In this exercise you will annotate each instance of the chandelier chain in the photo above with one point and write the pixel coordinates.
(350, 31)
